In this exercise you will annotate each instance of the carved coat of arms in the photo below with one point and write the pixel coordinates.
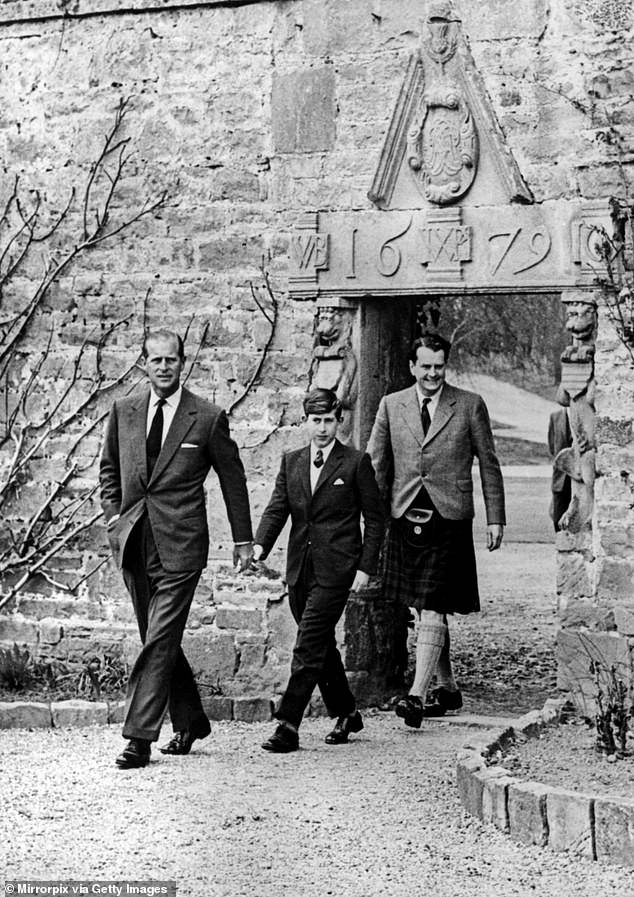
(443, 141)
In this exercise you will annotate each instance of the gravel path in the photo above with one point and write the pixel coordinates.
(504, 657)
(378, 817)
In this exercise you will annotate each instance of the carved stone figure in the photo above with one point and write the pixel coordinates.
(578, 462)
(581, 322)
(578, 389)
(334, 363)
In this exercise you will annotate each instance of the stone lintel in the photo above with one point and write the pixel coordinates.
(505, 248)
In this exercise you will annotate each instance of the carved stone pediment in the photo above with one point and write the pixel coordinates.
(444, 135)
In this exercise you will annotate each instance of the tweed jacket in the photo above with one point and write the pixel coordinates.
(405, 459)
(328, 520)
(173, 498)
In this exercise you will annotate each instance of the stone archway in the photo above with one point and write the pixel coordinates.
(452, 215)
(376, 332)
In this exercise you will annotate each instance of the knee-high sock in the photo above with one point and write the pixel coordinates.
(444, 671)
(432, 631)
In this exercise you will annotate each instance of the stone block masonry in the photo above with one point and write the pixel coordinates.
(250, 115)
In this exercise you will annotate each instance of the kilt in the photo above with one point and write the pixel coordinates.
(440, 575)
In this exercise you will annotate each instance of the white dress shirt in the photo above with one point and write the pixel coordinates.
(315, 471)
(433, 401)
(169, 410)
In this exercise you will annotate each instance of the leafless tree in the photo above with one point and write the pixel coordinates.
(51, 403)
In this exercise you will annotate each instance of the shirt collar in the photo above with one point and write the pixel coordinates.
(433, 399)
(172, 400)
(325, 451)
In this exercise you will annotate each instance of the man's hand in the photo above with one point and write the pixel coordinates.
(361, 581)
(242, 556)
(495, 534)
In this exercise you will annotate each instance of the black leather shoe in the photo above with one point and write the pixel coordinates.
(410, 709)
(441, 700)
(282, 741)
(134, 755)
(343, 727)
(182, 741)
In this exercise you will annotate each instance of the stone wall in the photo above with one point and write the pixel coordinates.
(596, 569)
(249, 115)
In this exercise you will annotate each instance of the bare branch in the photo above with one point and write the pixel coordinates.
(110, 144)
(146, 210)
(4, 216)
(37, 566)
(201, 343)
(41, 238)
(90, 573)
(272, 319)
(58, 521)
(45, 506)
(251, 445)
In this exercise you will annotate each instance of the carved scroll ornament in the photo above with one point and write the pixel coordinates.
(443, 145)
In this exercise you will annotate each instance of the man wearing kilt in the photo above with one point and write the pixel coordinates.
(422, 447)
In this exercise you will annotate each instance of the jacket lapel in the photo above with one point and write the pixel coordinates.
(444, 412)
(182, 422)
(410, 410)
(330, 468)
(136, 435)
(303, 471)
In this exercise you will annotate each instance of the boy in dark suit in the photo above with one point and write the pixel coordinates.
(325, 488)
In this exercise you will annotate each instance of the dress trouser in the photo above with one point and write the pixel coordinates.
(316, 659)
(161, 676)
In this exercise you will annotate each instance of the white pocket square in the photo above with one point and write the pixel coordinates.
(338, 482)
(188, 445)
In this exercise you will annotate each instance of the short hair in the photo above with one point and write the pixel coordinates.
(163, 334)
(322, 401)
(433, 341)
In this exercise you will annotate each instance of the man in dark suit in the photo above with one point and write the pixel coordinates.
(326, 488)
(422, 446)
(158, 449)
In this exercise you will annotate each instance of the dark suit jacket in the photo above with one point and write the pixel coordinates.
(405, 459)
(173, 498)
(328, 521)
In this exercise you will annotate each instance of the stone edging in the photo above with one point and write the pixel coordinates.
(77, 712)
(58, 714)
(583, 824)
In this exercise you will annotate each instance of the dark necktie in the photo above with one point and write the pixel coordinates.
(424, 416)
(319, 458)
(154, 438)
